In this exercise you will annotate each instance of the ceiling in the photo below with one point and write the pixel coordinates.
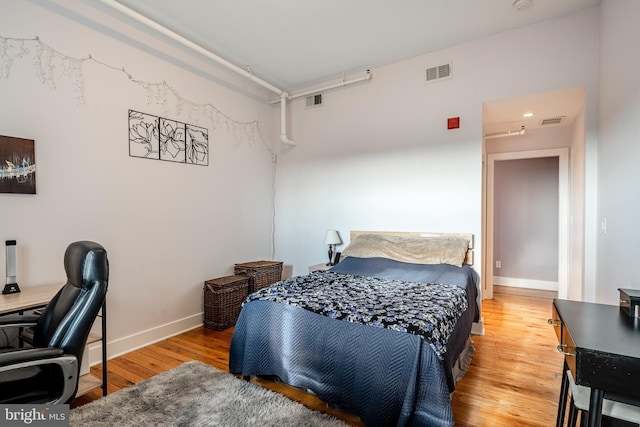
(295, 44)
(506, 115)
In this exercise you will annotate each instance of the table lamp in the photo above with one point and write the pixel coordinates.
(332, 238)
(11, 286)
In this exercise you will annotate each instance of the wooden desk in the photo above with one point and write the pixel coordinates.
(29, 298)
(601, 345)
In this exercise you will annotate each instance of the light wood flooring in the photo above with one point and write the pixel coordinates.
(514, 378)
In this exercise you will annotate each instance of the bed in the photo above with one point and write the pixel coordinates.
(380, 335)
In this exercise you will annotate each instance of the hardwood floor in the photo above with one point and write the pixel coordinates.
(514, 378)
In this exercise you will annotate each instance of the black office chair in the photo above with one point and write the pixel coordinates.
(48, 372)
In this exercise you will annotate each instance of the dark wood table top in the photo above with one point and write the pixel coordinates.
(607, 346)
(600, 327)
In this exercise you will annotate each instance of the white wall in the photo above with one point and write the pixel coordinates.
(578, 234)
(167, 227)
(618, 152)
(378, 155)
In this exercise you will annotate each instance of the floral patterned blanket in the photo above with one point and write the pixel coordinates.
(429, 310)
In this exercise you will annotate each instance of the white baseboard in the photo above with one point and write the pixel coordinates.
(133, 342)
(127, 344)
(525, 283)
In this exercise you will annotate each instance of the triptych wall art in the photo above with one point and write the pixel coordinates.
(17, 165)
(160, 138)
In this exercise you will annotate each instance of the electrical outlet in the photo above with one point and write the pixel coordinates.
(498, 264)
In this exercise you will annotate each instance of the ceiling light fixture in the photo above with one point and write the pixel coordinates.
(527, 115)
(521, 4)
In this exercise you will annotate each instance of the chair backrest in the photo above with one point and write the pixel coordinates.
(66, 321)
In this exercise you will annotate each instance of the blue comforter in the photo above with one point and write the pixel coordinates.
(384, 376)
(429, 310)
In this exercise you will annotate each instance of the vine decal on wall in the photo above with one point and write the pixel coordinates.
(159, 138)
(51, 66)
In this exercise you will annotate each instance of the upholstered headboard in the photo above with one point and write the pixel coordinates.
(468, 258)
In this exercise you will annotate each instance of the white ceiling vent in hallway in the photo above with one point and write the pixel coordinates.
(557, 120)
(314, 100)
(439, 72)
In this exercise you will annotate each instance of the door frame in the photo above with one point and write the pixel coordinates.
(563, 215)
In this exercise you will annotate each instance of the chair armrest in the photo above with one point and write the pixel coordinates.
(18, 320)
(28, 355)
(17, 360)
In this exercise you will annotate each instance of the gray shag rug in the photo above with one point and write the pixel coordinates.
(196, 394)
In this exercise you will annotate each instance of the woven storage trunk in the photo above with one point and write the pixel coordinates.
(223, 298)
(261, 273)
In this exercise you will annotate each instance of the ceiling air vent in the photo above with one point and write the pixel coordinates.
(314, 100)
(552, 121)
(439, 72)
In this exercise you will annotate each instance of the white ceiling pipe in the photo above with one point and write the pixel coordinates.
(283, 120)
(333, 86)
(503, 134)
(197, 48)
(188, 43)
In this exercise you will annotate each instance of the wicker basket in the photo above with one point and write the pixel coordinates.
(223, 298)
(261, 273)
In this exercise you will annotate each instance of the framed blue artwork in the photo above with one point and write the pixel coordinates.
(17, 165)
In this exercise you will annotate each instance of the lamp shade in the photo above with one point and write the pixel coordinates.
(332, 238)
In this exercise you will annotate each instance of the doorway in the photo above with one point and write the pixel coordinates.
(562, 154)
